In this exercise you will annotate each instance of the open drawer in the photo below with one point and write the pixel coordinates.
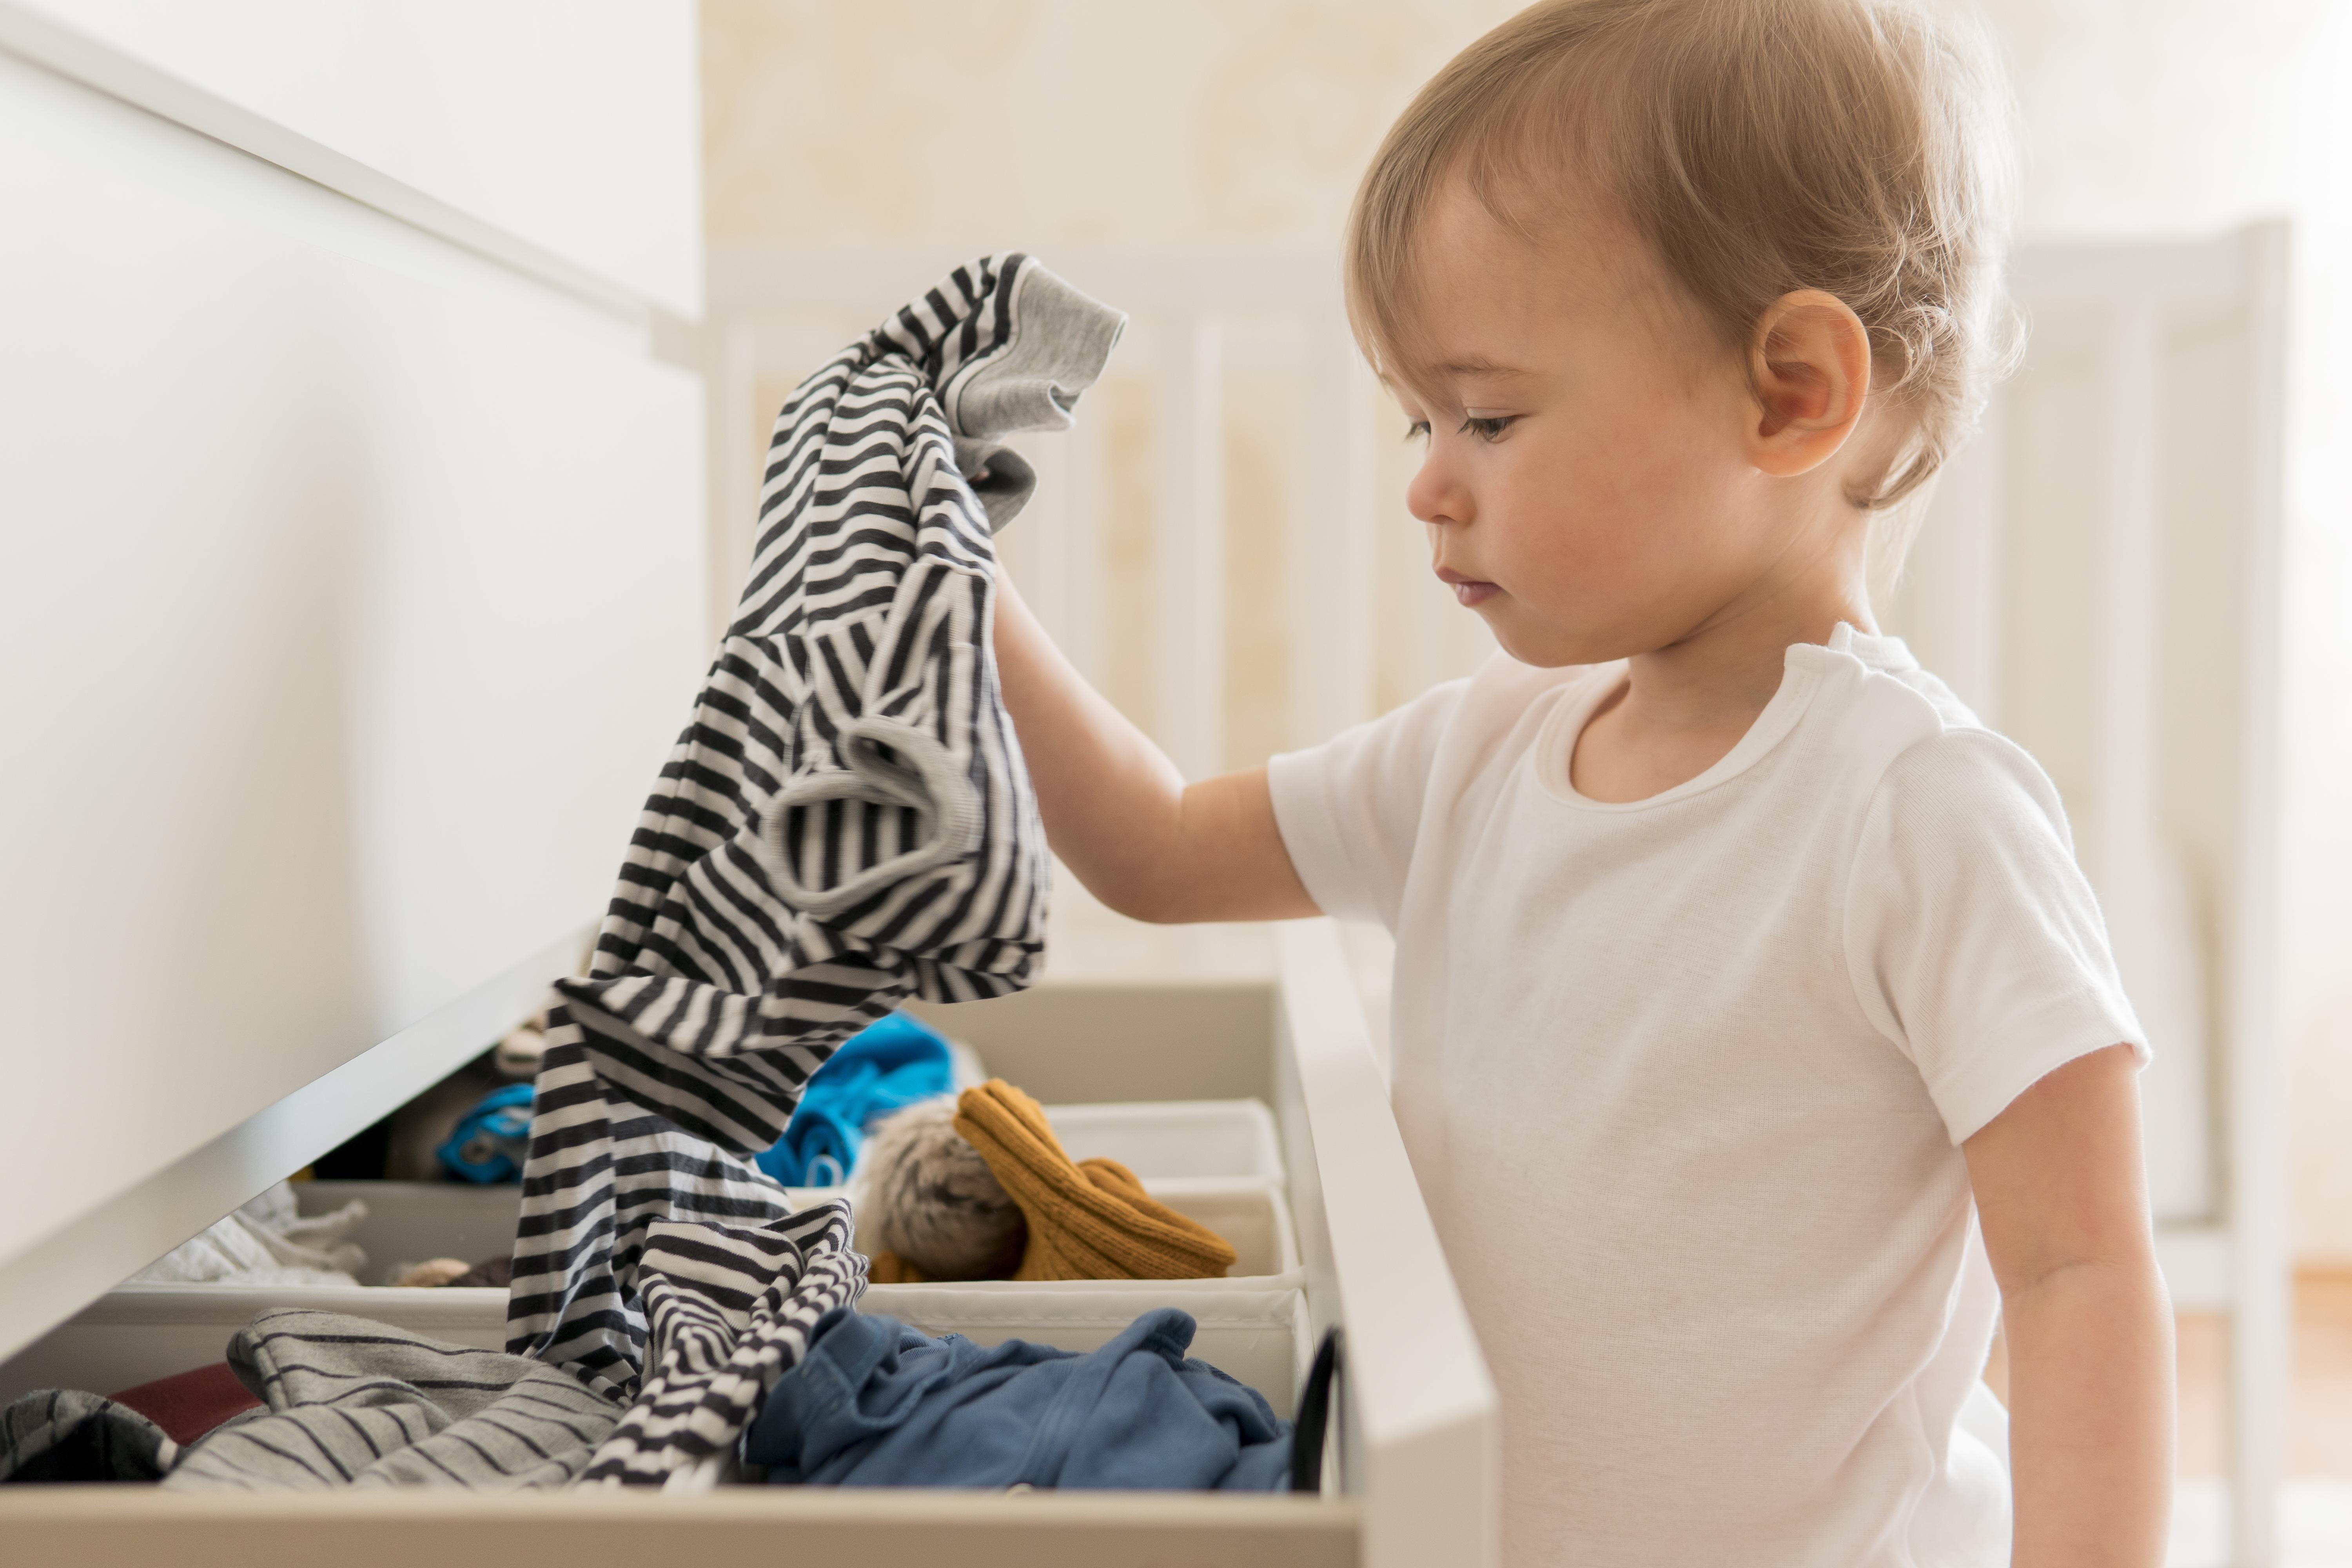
(1412, 1481)
(1251, 1322)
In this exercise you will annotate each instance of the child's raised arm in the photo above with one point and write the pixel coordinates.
(1117, 812)
(2061, 1192)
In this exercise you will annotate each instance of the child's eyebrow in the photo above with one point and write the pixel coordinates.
(1478, 367)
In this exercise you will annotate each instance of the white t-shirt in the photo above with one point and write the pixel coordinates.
(1682, 1081)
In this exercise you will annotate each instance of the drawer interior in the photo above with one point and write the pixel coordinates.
(1082, 1048)
(140, 1333)
(409, 1221)
(1215, 1161)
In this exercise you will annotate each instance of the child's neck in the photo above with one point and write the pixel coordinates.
(1684, 706)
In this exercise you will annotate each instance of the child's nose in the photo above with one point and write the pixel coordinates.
(1436, 495)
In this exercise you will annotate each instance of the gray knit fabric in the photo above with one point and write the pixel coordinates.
(65, 1434)
(359, 1404)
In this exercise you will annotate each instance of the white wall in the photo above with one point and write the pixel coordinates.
(352, 598)
(556, 123)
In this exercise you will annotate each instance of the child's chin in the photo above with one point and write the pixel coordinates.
(1542, 647)
(1542, 652)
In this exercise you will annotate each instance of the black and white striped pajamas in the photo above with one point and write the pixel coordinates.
(845, 823)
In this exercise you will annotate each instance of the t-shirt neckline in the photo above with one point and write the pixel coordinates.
(1800, 675)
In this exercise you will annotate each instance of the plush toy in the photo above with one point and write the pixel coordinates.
(928, 1206)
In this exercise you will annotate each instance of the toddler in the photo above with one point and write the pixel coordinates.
(1755, 1039)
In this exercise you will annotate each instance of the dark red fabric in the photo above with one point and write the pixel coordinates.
(190, 1403)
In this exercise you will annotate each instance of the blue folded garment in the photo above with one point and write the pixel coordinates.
(489, 1141)
(876, 1403)
(890, 1065)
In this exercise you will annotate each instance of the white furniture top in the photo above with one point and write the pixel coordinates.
(354, 581)
(562, 136)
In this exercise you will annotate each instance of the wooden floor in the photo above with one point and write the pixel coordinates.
(2319, 1420)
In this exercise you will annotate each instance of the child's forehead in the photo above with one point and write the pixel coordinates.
(1481, 289)
(1523, 256)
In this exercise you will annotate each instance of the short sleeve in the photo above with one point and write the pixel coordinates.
(1350, 809)
(1973, 937)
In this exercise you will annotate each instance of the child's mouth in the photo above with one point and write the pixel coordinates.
(1471, 590)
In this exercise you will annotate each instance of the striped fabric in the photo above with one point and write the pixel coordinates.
(65, 1434)
(844, 823)
(716, 1352)
(359, 1404)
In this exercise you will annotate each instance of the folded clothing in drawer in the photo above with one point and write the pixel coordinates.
(267, 1241)
(331, 1401)
(405, 1221)
(1260, 1337)
(982, 1189)
(1251, 1215)
(358, 1402)
(878, 1403)
(353, 1402)
(408, 1222)
(139, 1334)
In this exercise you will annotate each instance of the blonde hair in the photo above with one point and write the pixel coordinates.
(1759, 147)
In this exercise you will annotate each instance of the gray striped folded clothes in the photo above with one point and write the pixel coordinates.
(352, 1402)
(53, 1434)
(844, 823)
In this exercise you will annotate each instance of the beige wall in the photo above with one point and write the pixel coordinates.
(1054, 125)
(1056, 122)
(1237, 122)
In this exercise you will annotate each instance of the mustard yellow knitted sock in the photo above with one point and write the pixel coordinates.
(1089, 1221)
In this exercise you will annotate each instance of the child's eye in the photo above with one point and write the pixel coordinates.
(1417, 430)
(1490, 428)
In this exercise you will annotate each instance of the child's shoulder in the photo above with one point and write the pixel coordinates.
(1887, 688)
(1921, 752)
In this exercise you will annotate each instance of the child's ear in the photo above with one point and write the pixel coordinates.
(1809, 362)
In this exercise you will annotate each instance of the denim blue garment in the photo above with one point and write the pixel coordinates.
(876, 1403)
(886, 1065)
